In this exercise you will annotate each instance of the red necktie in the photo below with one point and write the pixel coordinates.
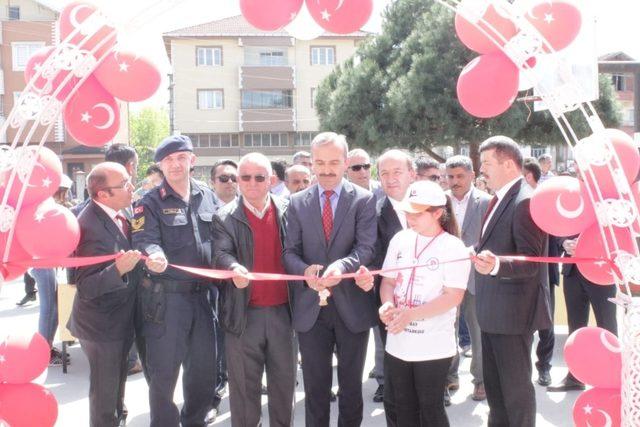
(327, 215)
(124, 225)
(492, 204)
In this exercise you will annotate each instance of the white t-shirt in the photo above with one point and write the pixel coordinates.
(434, 337)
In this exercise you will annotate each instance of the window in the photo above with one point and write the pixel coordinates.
(627, 117)
(208, 56)
(14, 13)
(266, 140)
(22, 51)
(214, 140)
(265, 56)
(323, 55)
(267, 99)
(210, 99)
(538, 151)
(303, 139)
(313, 97)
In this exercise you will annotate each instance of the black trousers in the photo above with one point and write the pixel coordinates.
(186, 339)
(413, 392)
(506, 368)
(546, 338)
(579, 293)
(29, 284)
(316, 348)
(107, 378)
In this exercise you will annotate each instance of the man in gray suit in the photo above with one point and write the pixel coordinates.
(103, 309)
(469, 206)
(511, 296)
(331, 228)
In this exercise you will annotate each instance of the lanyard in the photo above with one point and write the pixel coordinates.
(416, 256)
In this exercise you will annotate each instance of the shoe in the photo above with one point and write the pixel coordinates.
(454, 384)
(263, 390)
(333, 397)
(569, 383)
(378, 396)
(135, 369)
(479, 394)
(211, 417)
(544, 378)
(27, 298)
(447, 397)
(56, 360)
(57, 352)
(372, 374)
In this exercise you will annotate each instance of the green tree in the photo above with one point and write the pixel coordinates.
(400, 90)
(147, 128)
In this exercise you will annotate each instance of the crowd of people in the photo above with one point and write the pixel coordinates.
(436, 231)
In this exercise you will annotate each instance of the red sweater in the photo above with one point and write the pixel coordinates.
(267, 258)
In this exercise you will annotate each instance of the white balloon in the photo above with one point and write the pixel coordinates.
(303, 27)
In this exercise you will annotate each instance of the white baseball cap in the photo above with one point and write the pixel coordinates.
(422, 195)
(65, 182)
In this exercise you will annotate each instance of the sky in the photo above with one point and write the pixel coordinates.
(617, 26)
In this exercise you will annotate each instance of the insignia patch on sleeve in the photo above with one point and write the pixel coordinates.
(137, 224)
(138, 210)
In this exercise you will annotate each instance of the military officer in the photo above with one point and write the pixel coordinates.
(172, 225)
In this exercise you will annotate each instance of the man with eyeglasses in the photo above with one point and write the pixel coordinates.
(427, 169)
(172, 224)
(359, 171)
(224, 181)
(297, 178)
(256, 314)
(103, 309)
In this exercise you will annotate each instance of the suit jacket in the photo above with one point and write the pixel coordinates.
(351, 245)
(516, 300)
(470, 227)
(104, 306)
(234, 245)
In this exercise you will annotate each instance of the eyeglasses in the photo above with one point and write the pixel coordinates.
(356, 168)
(257, 178)
(124, 184)
(226, 178)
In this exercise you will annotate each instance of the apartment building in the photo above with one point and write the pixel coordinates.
(25, 27)
(237, 89)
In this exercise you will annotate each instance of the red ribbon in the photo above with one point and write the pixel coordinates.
(226, 274)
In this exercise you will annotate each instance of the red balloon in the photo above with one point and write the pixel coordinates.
(92, 115)
(43, 182)
(48, 230)
(593, 356)
(74, 16)
(558, 21)
(474, 39)
(43, 85)
(590, 245)
(25, 358)
(17, 262)
(271, 15)
(27, 405)
(128, 77)
(626, 150)
(488, 85)
(561, 206)
(340, 16)
(598, 407)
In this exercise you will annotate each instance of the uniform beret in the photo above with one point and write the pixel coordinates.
(172, 144)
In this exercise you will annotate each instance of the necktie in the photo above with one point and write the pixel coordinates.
(327, 215)
(492, 204)
(124, 225)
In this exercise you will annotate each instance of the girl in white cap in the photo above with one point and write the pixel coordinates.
(419, 307)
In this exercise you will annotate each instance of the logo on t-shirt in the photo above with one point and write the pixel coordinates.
(433, 264)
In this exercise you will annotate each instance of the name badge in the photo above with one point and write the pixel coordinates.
(174, 211)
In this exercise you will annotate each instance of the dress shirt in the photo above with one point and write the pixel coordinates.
(334, 197)
(402, 216)
(112, 213)
(256, 212)
(460, 206)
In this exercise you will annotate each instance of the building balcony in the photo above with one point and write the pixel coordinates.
(267, 77)
(267, 120)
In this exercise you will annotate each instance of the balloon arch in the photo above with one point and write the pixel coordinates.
(80, 78)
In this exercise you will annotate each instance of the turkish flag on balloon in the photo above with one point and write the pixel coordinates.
(128, 77)
(340, 16)
(92, 115)
(47, 85)
(598, 407)
(558, 21)
(92, 28)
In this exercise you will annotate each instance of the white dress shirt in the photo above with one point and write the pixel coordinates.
(460, 206)
(402, 217)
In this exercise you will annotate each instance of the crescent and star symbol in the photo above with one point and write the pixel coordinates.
(86, 117)
(566, 213)
(124, 67)
(608, 344)
(73, 16)
(325, 13)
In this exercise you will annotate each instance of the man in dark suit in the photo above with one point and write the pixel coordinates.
(331, 228)
(396, 173)
(511, 299)
(103, 310)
